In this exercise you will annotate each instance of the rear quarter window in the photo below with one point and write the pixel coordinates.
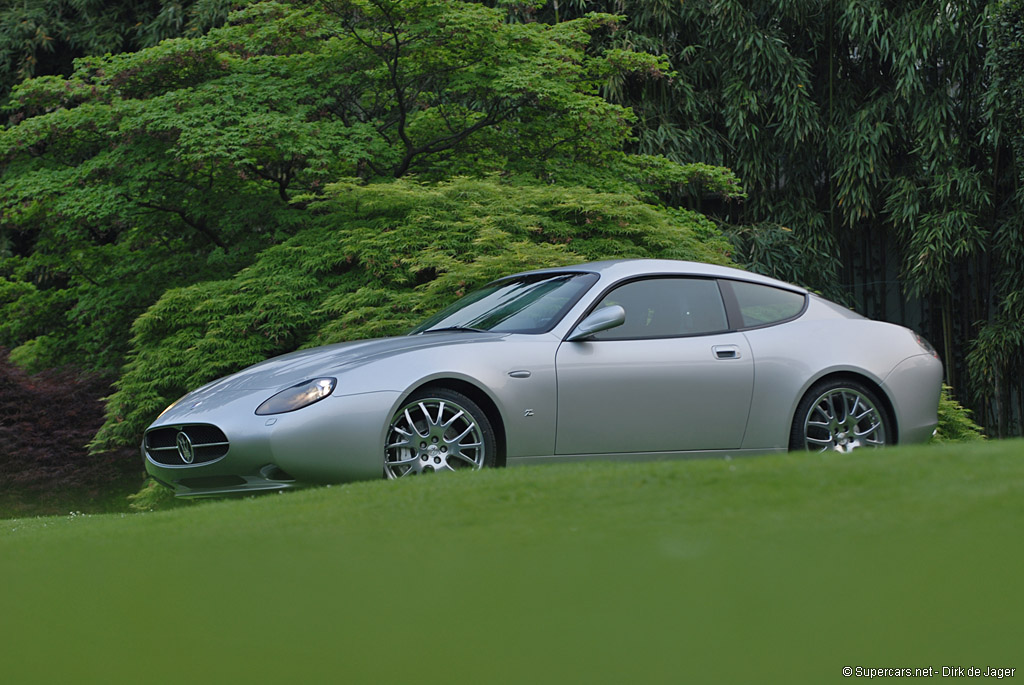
(761, 305)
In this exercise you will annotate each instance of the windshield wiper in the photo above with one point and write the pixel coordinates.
(469, 329)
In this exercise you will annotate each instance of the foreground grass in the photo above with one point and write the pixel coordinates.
(781, 569)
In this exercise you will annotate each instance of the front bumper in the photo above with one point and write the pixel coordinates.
(339, 439)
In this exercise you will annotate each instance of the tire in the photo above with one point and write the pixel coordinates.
(436, 430)
(841, 415)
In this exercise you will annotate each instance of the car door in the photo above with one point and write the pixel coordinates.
(673, 377)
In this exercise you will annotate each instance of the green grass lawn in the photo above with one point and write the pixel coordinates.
(777, 570)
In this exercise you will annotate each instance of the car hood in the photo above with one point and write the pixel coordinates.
(329, 360)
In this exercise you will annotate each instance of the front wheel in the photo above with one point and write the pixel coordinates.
(438, 430)
(840, 415)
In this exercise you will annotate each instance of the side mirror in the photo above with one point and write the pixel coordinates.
(601, 320)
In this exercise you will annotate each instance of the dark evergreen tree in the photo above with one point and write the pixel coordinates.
(43, 37)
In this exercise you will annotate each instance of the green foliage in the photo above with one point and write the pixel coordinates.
(1007, 56)
(831, 112)
(955, 422)
(154, 497)
(996, 356)
(996, 363)
(42, 37)
(177, 164)
(373, 261)
(777, 250)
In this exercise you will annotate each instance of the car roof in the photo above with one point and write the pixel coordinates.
(616, 269)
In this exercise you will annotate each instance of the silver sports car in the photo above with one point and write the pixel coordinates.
(634, 359)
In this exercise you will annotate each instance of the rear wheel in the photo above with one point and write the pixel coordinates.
(840, 415)
(438, 430)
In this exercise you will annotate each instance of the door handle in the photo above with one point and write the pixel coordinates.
(726, 351)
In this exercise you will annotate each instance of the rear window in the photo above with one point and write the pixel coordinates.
(761, 305)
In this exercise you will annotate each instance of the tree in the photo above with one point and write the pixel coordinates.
(179, 163)
(996, 355)
(44, 37)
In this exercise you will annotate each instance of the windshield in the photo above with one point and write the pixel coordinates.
(524, 304)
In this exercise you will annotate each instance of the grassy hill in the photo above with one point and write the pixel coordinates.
(783, 569)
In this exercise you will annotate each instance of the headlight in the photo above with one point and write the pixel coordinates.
(297, 396)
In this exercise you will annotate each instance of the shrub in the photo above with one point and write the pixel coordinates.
(46, 420)
(955, 422)
(153, 497)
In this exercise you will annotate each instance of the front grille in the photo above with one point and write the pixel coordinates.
(208, 444)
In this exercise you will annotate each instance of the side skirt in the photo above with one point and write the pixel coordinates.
(645, 456)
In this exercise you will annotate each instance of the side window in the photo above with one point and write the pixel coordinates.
(666, 307)
(762, 304)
